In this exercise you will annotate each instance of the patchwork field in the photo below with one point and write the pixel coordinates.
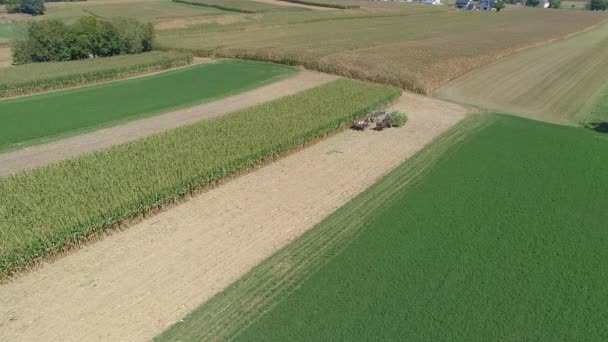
(74, 111)
(415, 47)
(36, 77)
(122, 281)
(228, 200)
(564, 82)
(496, 231)
(41, 155)
(109, 186)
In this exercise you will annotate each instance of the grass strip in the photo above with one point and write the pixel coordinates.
(22, 122)
(259, 291)
(53, 208)
(32, 78)
(242, 6)
(322, 4)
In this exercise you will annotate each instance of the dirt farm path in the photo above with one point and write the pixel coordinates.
(292, 4)
(133, 284)
(5, 57)
(40, 155)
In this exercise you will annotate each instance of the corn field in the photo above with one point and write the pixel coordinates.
(49, 209)
(418, 48)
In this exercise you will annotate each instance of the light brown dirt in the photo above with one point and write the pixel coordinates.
(5, 57)
(291, 4)
(40, 155)
(135, 283)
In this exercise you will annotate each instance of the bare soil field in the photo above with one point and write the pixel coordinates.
(559, 82)
(40, 155)
(5, 57)
(135, 283)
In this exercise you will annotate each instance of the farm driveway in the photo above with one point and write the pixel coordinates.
(40, 155)
(133, 284)
(5, 57)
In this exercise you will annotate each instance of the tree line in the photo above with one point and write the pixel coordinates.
(54, 41)
(33, 7)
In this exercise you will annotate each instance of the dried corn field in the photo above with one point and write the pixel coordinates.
(415, 47)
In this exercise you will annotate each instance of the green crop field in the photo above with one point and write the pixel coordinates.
(412, 46)
(37, 118)
(244, 6)
(36, 77)
(495, 232)
(564, 82)
(50, 208)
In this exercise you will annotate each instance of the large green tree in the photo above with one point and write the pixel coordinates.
(555, 3)
(52, 40)
(33, 7)
(598, 5)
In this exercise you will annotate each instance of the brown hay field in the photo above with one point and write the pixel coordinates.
(564, 82)
(416, 47)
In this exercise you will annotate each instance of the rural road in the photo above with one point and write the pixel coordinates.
(44, 154)
(134, 284)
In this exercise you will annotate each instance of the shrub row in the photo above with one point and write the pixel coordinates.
(49, 209)
(218, 6)
(322, 4)
(100, 69)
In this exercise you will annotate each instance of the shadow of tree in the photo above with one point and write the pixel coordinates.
(601, 127)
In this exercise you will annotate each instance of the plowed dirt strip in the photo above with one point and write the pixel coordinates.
(134, 284)
(5, 57)
(40, 155)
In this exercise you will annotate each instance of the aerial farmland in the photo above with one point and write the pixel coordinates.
(303, 170)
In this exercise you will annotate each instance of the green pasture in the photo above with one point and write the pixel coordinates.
(496, 232)
(33, 119)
